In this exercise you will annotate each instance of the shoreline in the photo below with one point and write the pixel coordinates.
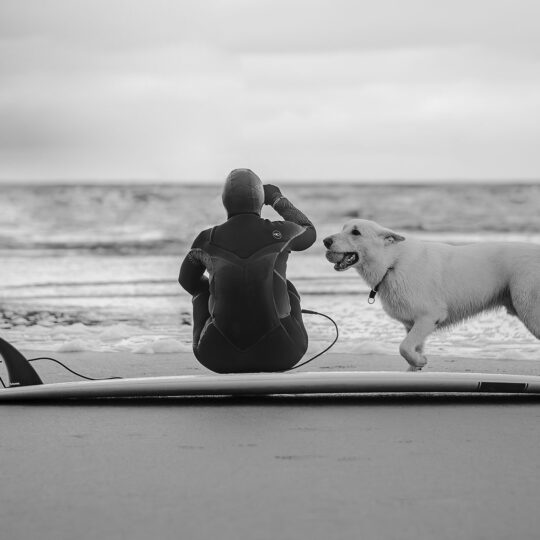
(127, 364)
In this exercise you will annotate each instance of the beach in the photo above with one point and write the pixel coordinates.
(139, 143)
(370, 466)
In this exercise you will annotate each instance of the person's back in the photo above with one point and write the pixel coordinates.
(247, 316)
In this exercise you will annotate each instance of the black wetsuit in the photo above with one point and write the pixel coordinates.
(247, 315)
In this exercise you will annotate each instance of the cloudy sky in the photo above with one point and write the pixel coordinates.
(295, 89)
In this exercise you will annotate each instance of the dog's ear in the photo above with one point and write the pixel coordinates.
(390, 237)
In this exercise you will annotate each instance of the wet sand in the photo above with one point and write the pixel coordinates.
(400, 467)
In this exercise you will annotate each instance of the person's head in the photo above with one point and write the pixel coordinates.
(243, 193)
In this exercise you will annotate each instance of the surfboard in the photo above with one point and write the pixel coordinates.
(329, 382)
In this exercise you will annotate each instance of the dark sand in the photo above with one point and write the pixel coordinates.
(418, 467)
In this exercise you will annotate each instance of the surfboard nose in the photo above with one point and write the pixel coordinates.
(20, 372)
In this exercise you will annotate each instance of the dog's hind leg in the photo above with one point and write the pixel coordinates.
(412, 346)
(527, 306)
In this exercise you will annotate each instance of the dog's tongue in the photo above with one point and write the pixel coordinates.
(348, 260)
(343, 264)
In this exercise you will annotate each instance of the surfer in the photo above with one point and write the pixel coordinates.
(246, 313)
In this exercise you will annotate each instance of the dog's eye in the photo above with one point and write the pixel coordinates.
(356, 232)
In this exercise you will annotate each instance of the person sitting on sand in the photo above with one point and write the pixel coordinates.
(247, 315)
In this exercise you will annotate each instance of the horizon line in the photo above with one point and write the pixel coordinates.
(199, 183)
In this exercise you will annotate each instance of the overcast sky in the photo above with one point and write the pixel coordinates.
(311, 89)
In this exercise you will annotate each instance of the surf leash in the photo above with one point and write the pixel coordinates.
(311, 312)
(65, 367)
(305, 311)
(71, 370)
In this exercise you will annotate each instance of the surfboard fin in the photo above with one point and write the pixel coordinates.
(19, 370)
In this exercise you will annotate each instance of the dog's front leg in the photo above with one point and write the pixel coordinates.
(412, 346)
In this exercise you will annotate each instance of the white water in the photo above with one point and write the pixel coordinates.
(86, 303)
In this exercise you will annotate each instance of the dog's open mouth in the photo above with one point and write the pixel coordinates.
(342, 260)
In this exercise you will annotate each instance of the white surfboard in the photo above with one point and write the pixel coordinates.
(333, 382)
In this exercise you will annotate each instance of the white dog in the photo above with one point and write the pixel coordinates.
(431, 285)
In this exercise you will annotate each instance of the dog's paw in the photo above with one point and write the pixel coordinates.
(422, 361)
(417, 363)
(412, 355)
(414, 368)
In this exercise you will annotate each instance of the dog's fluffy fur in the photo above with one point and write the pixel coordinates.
(431, 285)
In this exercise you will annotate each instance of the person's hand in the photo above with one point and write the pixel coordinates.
(271, 194)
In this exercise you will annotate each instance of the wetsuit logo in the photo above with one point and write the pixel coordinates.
(277, 235)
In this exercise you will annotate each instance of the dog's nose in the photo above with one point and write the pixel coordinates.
(327, 242)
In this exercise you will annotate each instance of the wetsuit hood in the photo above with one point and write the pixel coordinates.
(243, 193)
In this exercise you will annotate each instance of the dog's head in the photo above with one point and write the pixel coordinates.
(359, 241)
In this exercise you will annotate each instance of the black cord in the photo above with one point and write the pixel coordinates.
(307, 311)
(69, 369)
(310, 312)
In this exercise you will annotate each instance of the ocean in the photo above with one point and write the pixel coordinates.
(95, 267)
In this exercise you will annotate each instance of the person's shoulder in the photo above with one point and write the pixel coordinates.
(287, 228)
(202, 238)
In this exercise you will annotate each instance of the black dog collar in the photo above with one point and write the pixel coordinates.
(375, 290)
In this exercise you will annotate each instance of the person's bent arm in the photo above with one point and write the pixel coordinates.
(289, 212)
(192, 277)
